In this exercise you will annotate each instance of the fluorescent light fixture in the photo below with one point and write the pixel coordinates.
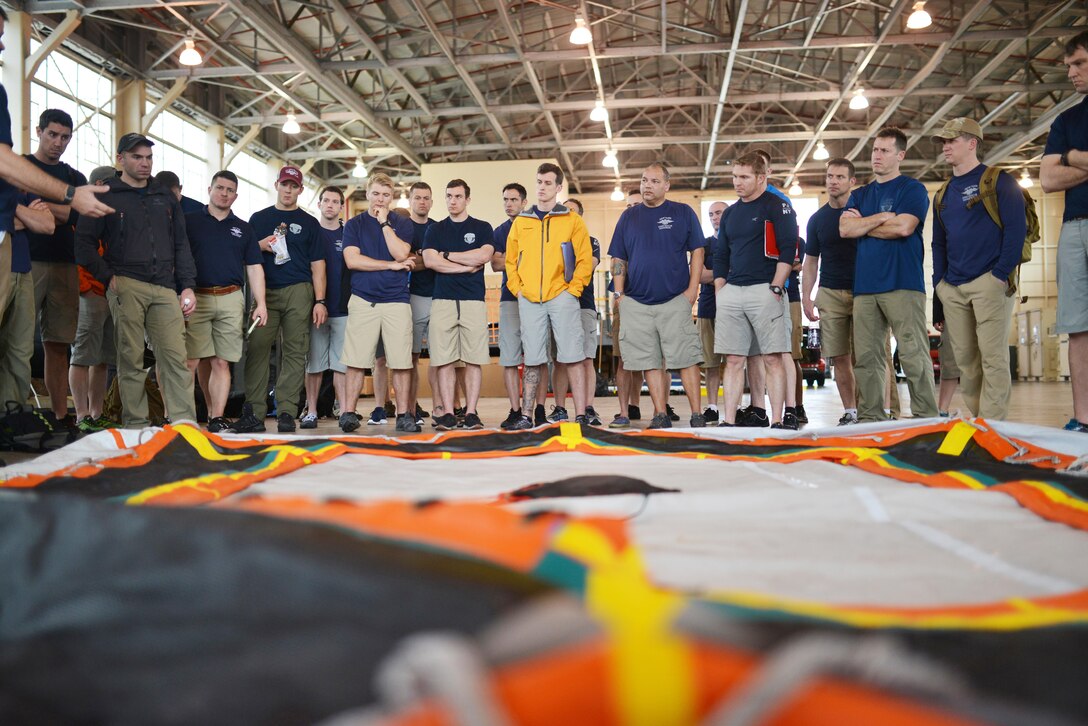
(359, 172)
(599, 113)
(290, 126)
(795, 189)
(610, 160)
(617, 194)
(580, 35)
(821, 152)
(1025, 180)
(859, 102)
(190, 56)
(919, 18)
(402, 203)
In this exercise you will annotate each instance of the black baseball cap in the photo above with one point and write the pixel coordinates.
(129, 142)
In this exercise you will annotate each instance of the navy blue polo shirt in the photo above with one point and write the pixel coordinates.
(190, 205)
(1070, 132)
(333, 242)
(221, 248)
(303, 244)
(466, 236)
(501, 234)
(837, 254)
(884, 265)
(707, 307)
(365, 233)
(585, 300)
(9, 195)
(743, 240)
(59, 246)
(20, 247)
(655, 242)
(421, 281)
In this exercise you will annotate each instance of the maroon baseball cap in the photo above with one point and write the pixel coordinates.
(290, 174)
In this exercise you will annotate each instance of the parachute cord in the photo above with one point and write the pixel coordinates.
(875, 660)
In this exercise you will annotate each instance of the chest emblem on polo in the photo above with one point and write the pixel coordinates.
(339, 245)
(664, 223)
(886, 205)
(235, 231)
(296, 228)
(470, 238)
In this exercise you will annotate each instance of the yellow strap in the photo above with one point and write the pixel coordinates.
(956, 440)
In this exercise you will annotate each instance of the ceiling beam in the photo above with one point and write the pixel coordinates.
(1041, 126)
(738, 26)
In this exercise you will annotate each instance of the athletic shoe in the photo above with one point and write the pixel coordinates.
(220, 425)
(406, 422)
(673, 415)
(285, 423)
(105, 422)
(710, 415)
(633, 413)
(558, 414)
(581, 419)
(420, 413)
(802, 417)
(512, 418)
(522, 424)
(390, 409)
(248, 423)
(726, 424)
(309, 421)
(592, 416)
(752, 418)
(620, 422)
(349, 421)
(848, 419)
(88, 425)
(660, 421)
(698, 421)
(377, 417)
(446, 422)
(778, 426)
(789, 421)
(472, 421)
(459, 412)
(1075, 425)
(942, 414)
(539, 419)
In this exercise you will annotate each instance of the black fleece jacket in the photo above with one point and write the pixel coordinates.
(144, 238)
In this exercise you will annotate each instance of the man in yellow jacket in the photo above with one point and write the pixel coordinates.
(549, 260)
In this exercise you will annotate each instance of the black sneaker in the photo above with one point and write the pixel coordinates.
(660, 421)
(789, 421)
(753, 417)
(673, 416)
(802, 417)
(777, 425)
(472, 421)
(581, 419)
(539, 418)
(726, 424)
(511, 419)
(220, 425)
(285, 423)
(848, 419)
(420, 413)
(248, 423)
(377, 417)
(446, 422)
(710, 415)
(309, 421)
(349, 421)
(698, 421)
(558, 414)
(522, 424)
(593, 417)
(390, 409)
(406, 422)
(633, 413)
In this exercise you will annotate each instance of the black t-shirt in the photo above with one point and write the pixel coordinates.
(741, 257)
(59, 246)
(450, 236)
(837, 255)
(303, 244)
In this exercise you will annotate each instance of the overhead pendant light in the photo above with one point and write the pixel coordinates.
(795, 189)
(580, 35)
(290, 126)
(599, 113)
(610, 161)
(402, 203)
(1025, 180)
(359, 172)
(617, 194)
(821, 152)
(190, 56)
(859, 102)
(919, 18)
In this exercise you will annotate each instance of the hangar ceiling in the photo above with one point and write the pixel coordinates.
(403, 82)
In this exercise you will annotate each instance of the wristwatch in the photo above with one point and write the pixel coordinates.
(320, 302)
(446, 254)
(69, 194)
(386, 224)
(1065, 158)
(776, 290)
